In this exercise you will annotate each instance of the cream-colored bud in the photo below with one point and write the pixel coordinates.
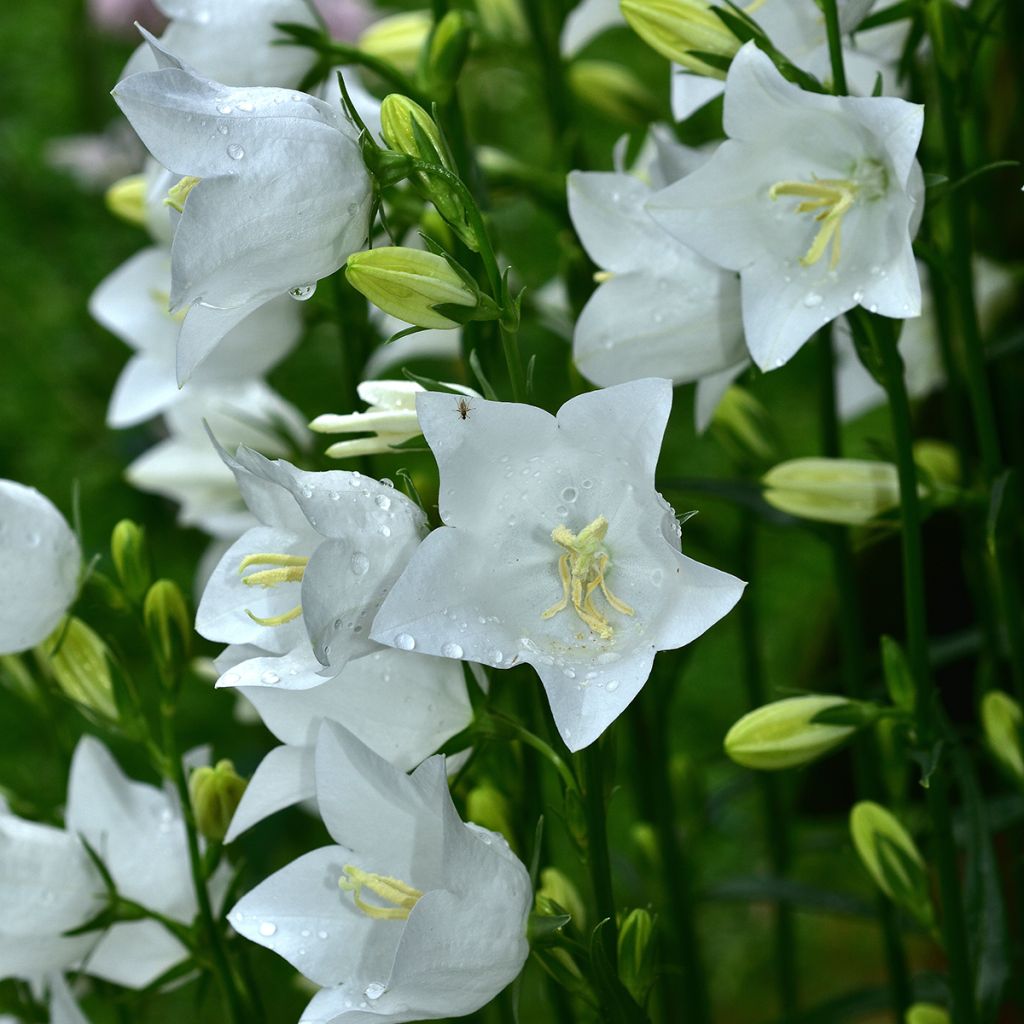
(398, 39)
(1002, 720)
(411, 284)
(79, 661)
(679, 29)
(131, 558)
(926, 1013)
(851, 492)
(742, 425)
(215, 794)
(127, 199)
(169, 626)
(784, 734)
(407, 128)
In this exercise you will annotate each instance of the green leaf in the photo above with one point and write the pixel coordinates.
(478, 371)
(899, 680)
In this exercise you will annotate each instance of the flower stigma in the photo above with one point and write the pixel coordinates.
(284, 569)
(177, 194)
(582, 570)
(402, 896)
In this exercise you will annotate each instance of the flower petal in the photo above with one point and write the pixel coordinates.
(283, 778)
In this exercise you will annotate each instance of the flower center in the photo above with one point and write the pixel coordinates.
(582, 570)
(829, 200)
(283, 569)
(400, 896)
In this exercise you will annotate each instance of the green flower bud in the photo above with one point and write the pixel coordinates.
(851, 492)
(408, 128)
(558, 889)
(79, 661)
(613, 90)
(215, 794)
(637, 960)
(742, 426)
(411, 284)
(131, 558)
(926, 1013)
(127, 199)
(398, 39)
(679, 29)
(899, 680)
(784, 734)
(169, 627)
(502, 19)
(939, 463)
(445, 55)
(1003, 722)
(489, 807)
(892, 859)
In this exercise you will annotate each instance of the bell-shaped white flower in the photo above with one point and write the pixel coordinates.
(413, 916)
(132, 303)
(275, 195)
(186, 468)
(556, 550)
(328, 548)
(49, 884)
(402, 706)
(233, 41)
(661, 309)
(813, 199)
(38, 549)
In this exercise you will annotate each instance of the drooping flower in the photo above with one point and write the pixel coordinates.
(661, 309)
(813, 199)
(274, 195)
(132, 303)
(403, 706)
(38, 549)
(233, 41)
(50, 885)
(316, 569)
(556, 550)
(415, 915)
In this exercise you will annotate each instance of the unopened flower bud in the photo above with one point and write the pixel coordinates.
(1003, 722)
(892, 859)
(851, 492)
(127, 199)
(215, 794)
(784, 734)
(408, 128)
(558, 889)
(742, 426)
(418, 287)
(939, 467)
(169, 626)
(614, 90)
(502, 19)
(398, 39)
(680, 29)
(637, 960)
(449, 46)
(899, 680)
(926, 1013)
(131, 558)
(79, 661)
(490, 808)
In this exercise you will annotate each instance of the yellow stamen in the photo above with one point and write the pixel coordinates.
(286, 569)
(402, 896)
(276, 620)
(830, 200)
(582, 571)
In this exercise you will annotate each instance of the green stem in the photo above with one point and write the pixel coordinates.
(954, 928)
(532, 740)
(237, 1012)
(343, 54)
(835, 47)
(591, 763)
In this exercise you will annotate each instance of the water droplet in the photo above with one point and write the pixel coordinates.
(657, 575)
(385, 482)
(353, 209)
(812, 299)
(360, 564)
(247, 106)
(222, 128)
(511, 520)
(451, 651)
(235, 151)
(858, 296)
(305, 933)
(321, 934)
(383, 501)
(873, 308)
(33, 540)
(224, 108)
(270, 678)
(404, 642)
(612, 686)
(303, 292)
(374, 990)
(384, 531)
(562, 511)
(267, 929)
(586, 484)
(497, 657)
(569, 494)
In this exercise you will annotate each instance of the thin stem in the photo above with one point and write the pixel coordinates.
(925, 705)
(835, 47)
(531, 739)
(591, 764)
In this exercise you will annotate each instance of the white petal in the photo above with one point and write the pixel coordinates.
(282, 779)
(691, 92)
(710, 391)
(205, 327)
(135, 954)
(38, 549)
(63, 1007)
(145, 387)
(697, 596)
(586, 21)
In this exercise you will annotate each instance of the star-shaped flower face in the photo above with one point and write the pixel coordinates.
(275, 195)
(813, 199)
(414, 916)
(557, 551)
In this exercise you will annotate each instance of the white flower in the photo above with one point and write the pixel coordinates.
(233, 41)
(557, 551)
(586, 21)
(390, 418)
(414, 916)
(132, 303)
(49, 884)
(402, 706)
(275, 195)
(328, 548)
(661, 310)
(812, 198)
(186, 468)
(39, 552)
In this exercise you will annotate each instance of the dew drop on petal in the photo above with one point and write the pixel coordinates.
(451, 651)
(267, 929)
(383, 501)
(235, 151)
(302, 292)
(360, 564)
(222, 129)
(812, 299)
(384, 531)
(270, 678)
(612, 686)
(569, 495)
(224, 108)
(404, 642)
(374, 990)
(247, 106)
(497, 657)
